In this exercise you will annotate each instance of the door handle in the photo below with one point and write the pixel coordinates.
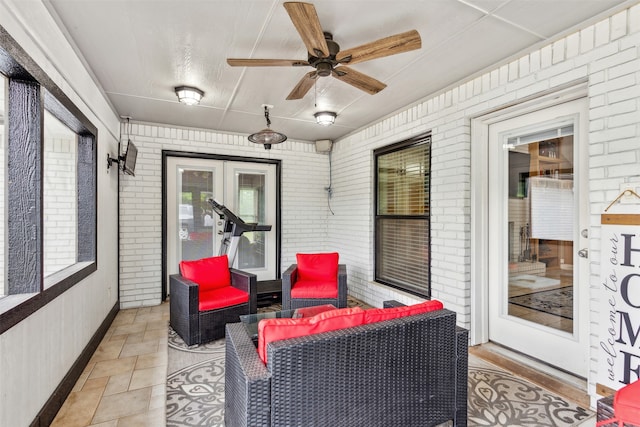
(585, 233)
(583, 253)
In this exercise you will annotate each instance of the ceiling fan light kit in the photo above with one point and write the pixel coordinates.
(267, 136)
(189, 95)
(325, 118)
(325, 56)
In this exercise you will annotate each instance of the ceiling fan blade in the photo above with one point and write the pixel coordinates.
(303, 86)
(305, 19)
(235, 62)
(358, 80)
(391, 45)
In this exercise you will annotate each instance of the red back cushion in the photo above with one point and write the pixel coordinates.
(626, 403)
(209, 273)
(318, 267)
(379, 314)
(280, 329)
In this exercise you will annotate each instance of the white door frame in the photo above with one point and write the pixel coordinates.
(479, 332)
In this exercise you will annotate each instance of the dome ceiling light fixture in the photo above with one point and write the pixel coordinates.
(189, 95)
(325, 118)
(267, 137)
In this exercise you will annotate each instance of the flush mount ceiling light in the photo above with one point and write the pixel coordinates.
(325, 118)
(189, 95)
(267, 136)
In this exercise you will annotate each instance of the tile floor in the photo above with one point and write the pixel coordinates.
(124, 382)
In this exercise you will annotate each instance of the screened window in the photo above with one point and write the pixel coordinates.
(402, 225)
(48, 175)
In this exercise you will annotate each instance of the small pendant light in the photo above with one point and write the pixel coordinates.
(267, 137)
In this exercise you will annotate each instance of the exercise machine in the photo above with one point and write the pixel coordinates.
(232, 228)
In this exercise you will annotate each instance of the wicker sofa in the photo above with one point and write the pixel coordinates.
(409, 371)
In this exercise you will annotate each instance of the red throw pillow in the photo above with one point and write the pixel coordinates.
(280, 329)
(318, 267)
(209, 273)
(373, 315)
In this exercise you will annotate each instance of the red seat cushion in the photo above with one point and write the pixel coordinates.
(279, 329)
(221, 297)
(209, 273)
(321, 267)
(373, 315)
(314, 289)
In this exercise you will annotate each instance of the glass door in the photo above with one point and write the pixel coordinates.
(194, 230)
(538, 286)
(192, 226)
(250, 190)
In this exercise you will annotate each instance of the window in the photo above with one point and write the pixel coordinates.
(60, 196)
(402, 224)
(48, 213)
(3, 115)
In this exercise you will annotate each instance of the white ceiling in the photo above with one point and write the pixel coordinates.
(139, 50)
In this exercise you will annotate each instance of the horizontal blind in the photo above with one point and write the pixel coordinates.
(402, 218)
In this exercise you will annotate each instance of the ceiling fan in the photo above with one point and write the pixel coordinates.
(325, 55)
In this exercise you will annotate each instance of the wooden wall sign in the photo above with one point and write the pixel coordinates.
(619, 346)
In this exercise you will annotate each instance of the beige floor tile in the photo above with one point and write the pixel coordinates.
(154, 418)
(122, 405)
(151, 360)
(148, 377)
(125, 317)
(153, 334)
(95, 383)
(112, 423)
(118, 383)
(131, 328)
(78, 409)
(109, 350)
(81, 380)
(107, 368)
(138, 349)
(136, 338)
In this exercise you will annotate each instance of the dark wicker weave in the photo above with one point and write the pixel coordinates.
(290, 276)
(196, 327)
(605, 412)
(410, 371)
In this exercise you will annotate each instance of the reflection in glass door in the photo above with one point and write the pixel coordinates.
(540, 228)
(251, 204)
(195, 216)
(250, 190)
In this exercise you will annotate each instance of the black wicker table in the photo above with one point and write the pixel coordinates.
(250, 321)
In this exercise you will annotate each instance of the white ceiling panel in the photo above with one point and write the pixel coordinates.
(139, 50)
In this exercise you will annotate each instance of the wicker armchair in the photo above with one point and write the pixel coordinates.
(291, 276)
(198, 327)
(409, 371)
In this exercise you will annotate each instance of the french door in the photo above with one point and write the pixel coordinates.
(538, 271)
(194, 230)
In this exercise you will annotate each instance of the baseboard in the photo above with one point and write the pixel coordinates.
(50, 409)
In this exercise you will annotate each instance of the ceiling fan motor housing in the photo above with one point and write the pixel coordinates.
(324, 65)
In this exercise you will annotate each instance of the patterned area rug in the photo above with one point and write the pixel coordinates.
(195, 392)
(558, 302)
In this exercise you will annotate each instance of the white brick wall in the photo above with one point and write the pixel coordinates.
(606, 55)
(304, 207)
